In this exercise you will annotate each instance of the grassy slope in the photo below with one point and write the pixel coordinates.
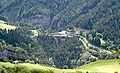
(106, 66)
(5, 26)
(109, 66)
(25, 67)
(2, 21)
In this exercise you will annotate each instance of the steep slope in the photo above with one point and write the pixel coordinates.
(62, 14)
(86, 14)
(91, 11)
(101, 19)
(91, 14)
(37, 12)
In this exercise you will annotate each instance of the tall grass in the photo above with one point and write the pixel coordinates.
(21, 69)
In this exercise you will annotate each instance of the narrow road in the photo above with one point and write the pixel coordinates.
(86, 43)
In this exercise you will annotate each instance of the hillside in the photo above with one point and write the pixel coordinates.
(59, 15)
(108, 66)
(59, 33)
(37, 12)
(90, 15)
(29, 43)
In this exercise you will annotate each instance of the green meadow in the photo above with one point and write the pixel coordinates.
(103, 66)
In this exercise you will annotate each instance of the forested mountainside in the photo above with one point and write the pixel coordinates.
(90, 31)
(25, 45)
(100, 15)
(37, 12)
(61, 14)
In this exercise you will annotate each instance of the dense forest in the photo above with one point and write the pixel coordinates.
(98, 21)
(62, 14)
(61, 52)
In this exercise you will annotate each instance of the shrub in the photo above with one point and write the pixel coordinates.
(116, 72)
(41, 71)
(78, 71)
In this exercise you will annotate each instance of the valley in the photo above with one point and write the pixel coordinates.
(59, 36)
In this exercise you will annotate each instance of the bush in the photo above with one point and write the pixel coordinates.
(41, 71)
(116, 72)
(78, 71)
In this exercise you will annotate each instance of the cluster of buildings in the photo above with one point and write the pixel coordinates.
(67, 33)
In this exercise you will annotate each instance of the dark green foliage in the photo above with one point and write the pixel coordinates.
(95, 16)
(19, 37)
(27, 11)
(62, 50)
(4, 71)
(18, 45)
(100, 15)
(68, 52)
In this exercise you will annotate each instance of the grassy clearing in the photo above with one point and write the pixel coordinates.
(35, 33)
(107, 66)
(2, 22)
(7, 27)
(104, 66)
(100, 63)
(3, 26)
(102, 41)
